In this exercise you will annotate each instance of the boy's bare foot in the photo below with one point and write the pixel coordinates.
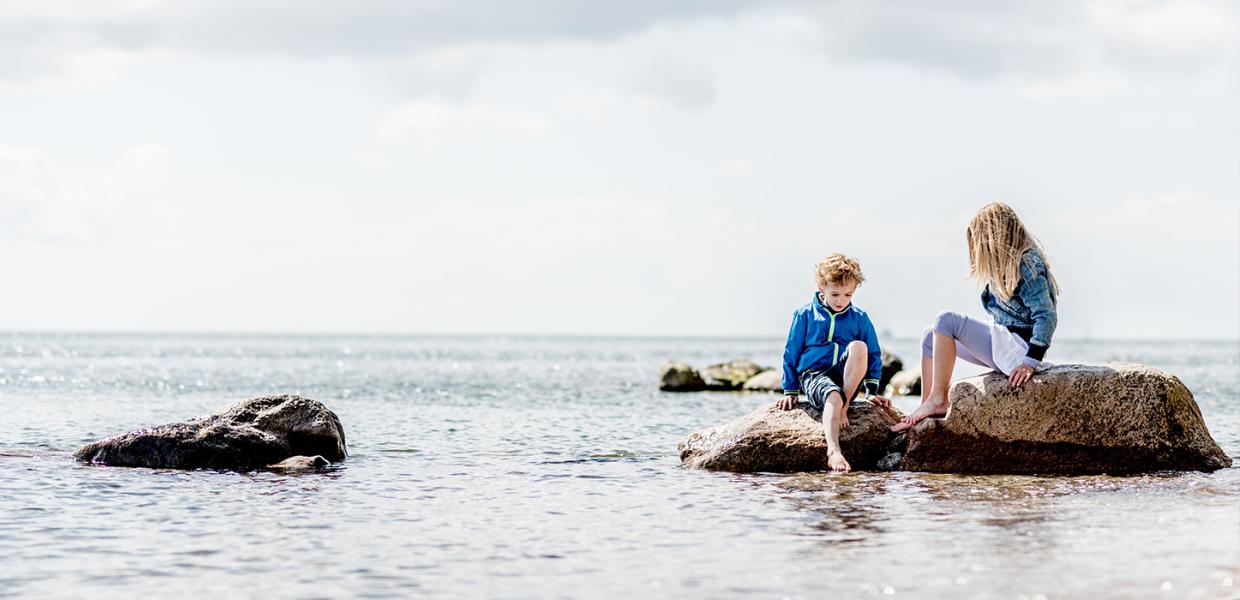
(928, 409)
(835, 460)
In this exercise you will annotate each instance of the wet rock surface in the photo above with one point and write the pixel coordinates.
(250, 434)
(774, 440)
(680, 377)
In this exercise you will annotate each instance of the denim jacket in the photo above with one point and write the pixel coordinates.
(1030, 313)
(817, 340)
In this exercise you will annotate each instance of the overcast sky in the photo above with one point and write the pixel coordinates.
(626, 167)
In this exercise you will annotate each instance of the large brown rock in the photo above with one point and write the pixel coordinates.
(680, 377)
(1069, 419)
(247, 435)
(774, 440)
(730, 375)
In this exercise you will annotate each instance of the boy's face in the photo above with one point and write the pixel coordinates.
(837, 296)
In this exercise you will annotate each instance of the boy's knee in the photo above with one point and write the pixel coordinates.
(834, 399)
(857, 349)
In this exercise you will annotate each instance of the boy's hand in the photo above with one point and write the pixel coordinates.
(787, 402)
(880, 401)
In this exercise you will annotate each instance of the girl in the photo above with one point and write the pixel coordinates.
(1020, 296)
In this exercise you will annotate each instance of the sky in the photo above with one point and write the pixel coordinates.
(632, 167)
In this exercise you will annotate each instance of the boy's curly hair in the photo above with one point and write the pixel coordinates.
(838, 269)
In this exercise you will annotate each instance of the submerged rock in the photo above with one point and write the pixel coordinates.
(770, 380)
(770, 439)
(250, 434)
(906, 383)
(1069, 419)
(730, 375)
(680, 377)
(300, 463)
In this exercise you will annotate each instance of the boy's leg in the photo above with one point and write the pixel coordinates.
(831, 429)
(856, 357)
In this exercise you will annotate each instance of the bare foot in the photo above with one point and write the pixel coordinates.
(928, 409)
(835, 460)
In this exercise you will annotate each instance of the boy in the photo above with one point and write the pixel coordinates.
(830, 347)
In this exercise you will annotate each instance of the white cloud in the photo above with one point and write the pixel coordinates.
(1052, 46)
(430, 122)
(674, 80)
(43, 199)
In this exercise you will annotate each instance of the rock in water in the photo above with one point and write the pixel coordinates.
(730, 375)
(891, 365)
(247, 435)
(770, 439)
(1069, 419)
(680, 377)
(770, 380)
(906, 383)
(301, 463)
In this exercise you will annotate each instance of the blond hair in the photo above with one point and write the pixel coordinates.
(997, 243)
(838, 269)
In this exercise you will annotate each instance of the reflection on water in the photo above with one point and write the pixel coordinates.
(537, 468)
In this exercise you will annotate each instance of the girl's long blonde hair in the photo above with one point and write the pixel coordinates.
(997, 242)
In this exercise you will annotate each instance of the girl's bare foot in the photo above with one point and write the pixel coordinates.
(931, 408)
(835, 460)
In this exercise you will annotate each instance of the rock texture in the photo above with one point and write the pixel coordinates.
(680, 377)
(770, 439)
(1069, 419)
(905, 383)
(770, 380)
(730, 375)
(247, 435)
(891, 365)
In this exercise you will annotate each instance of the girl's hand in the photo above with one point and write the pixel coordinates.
(786, 403)
(1021, 375)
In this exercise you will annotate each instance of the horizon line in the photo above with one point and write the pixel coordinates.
(595, 335)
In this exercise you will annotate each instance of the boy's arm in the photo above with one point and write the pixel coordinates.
(792, 355)
(874, 373)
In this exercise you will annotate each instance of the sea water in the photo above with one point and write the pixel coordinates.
(547, 468)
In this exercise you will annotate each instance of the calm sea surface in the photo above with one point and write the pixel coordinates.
(547, 468)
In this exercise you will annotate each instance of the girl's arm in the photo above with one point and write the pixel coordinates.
(792, 354)
(1035, 292)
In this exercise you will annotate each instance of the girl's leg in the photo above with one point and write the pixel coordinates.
(927, 362)
(952, 334)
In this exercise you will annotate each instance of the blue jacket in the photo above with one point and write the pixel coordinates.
(818, 338)
(1031, 311)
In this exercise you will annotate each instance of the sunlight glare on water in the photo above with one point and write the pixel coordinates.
(547, 467)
